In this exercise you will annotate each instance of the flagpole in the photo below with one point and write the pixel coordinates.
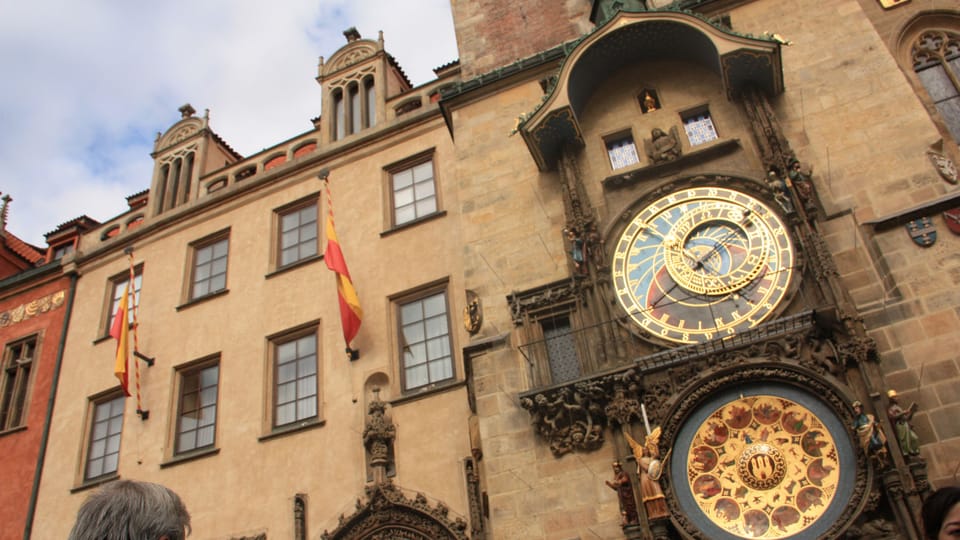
(143, 413)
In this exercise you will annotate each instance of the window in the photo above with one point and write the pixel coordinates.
(699, 127)
(118, 285)
(355, 118)
(209, 267)
(339, 116)
(561, 349)
(103, 451)
(936, 59)
(370, 113)
(414, 193)
(425, 341)
(295, 379)
(622, 152)
(197, 407)
(62, 251)
(298, 234)
(17, 363)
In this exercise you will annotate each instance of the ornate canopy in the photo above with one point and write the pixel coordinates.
(628, 38)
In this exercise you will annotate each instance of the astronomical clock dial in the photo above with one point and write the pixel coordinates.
(702, 263)
(766, 465)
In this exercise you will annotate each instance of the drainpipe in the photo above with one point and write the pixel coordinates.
(31, 509)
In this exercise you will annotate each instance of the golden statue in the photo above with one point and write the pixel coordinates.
(649, 469)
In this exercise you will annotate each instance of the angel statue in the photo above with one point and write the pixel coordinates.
(649, 469)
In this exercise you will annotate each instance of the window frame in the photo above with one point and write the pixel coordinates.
(922, 59)
(400, 167)
(195, 247)
(279, 214)
(619, 137)
(274, 342)
(16, 388)
(691, 113)
(406, 299)
(112, 300)
(109, 397)
(195, 368)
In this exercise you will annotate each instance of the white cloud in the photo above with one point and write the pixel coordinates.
(89, 84)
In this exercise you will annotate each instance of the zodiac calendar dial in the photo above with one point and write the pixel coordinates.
(702, 263)
(762, 467)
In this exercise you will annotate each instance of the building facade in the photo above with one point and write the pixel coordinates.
(649, 271)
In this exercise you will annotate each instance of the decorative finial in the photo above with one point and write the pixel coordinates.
(3, 211)
(186, 111)
(351, 34)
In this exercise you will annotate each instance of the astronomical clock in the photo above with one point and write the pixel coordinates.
(702, 263)
(710, 267)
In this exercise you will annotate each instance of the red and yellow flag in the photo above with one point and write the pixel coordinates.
(350, 311)
(120, 330)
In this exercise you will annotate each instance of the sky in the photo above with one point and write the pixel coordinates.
(87, 85)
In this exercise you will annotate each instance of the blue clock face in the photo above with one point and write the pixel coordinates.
(702, 263)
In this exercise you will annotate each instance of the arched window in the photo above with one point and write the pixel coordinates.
(936, 59)
(370, 118)
(354, 91)
(339, 115)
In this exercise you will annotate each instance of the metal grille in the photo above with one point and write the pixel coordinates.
(561, 351)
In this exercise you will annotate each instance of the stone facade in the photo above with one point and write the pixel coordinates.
(559, 127)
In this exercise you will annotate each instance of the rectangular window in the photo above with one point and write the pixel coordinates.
(209, 267)
(622, 152)
(295, 379)
(197, 408)
(17, 363)
(103, 451)
(298, 234)
(118, 285)
(414, 192)
(425, 347)
(561, 349)
(699, 127)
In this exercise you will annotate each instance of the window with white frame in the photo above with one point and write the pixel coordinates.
(103, 443)
(414, 192)
(425, 348)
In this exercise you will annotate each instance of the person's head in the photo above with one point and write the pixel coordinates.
(857, 407)
(941, 514)
(131, 510)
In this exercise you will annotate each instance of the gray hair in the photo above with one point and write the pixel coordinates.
(131, 510)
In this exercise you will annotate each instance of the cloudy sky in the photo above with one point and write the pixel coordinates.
(87, 85)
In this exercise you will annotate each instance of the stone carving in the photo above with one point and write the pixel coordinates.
(359, 52)
(944, 165)
(389, 514)
(649, 469)
(474, 497)
(872, 440)
(300, 516)
(900, 418)
(663, 146)
(574, 417)
(553, 294)
(379, 433)
(472, 313)
(621, 484)
(873, 529)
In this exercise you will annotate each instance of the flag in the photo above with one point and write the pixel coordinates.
(350, 311)
(120, 330)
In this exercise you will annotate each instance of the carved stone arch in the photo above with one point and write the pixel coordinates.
(179, 132)
(351, 54)
(770, 368)
(388, 514)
